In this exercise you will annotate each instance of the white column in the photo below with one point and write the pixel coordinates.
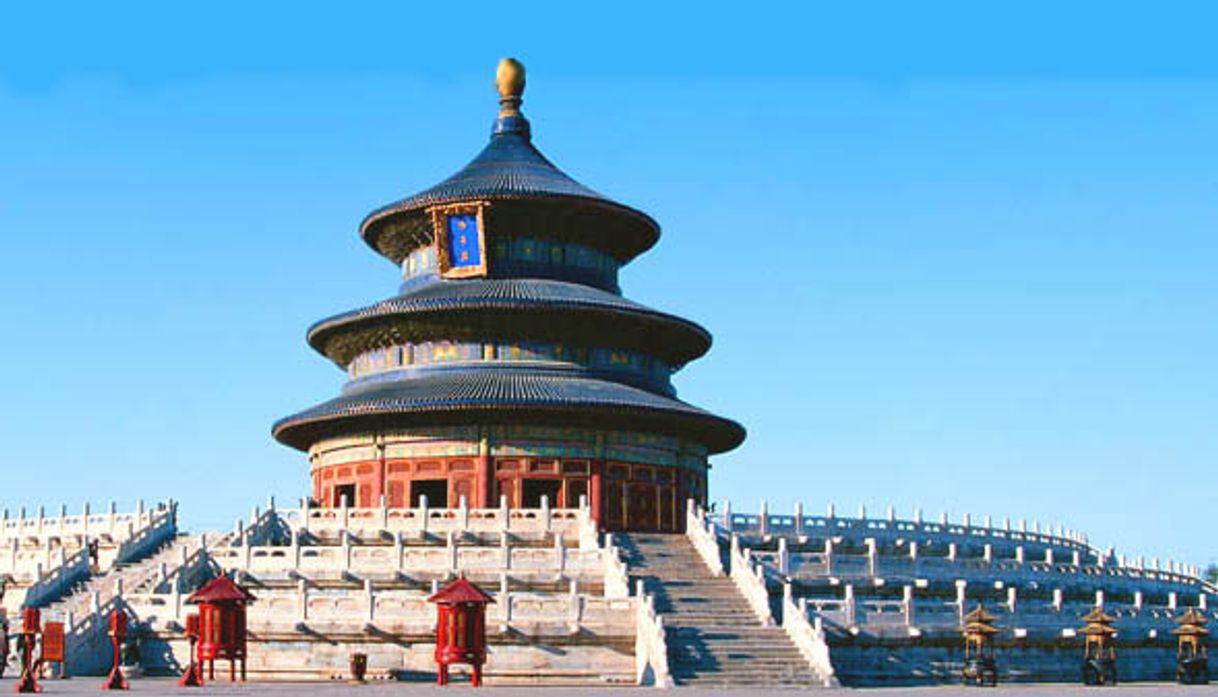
(423, 515)
(369, 599)
(345, 549)
(302, 592)
(784, 557)
(304, 513)
(763, 520)
(573, 613)
(961, 586)
(504, 605)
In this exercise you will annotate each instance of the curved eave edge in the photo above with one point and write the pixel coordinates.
(718, 434)
(369, 227)
(323, 330)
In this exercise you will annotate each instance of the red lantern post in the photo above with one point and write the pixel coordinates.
(118, 632)
(460, 628)
(193, 675)
(31, 625)
(222, 625)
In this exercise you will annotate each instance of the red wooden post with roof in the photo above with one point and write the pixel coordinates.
(222, 624)
(193, 675)
(460, 628)
(118, 632)
(31, 625)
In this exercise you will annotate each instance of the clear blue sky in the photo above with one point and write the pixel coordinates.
(953, 256)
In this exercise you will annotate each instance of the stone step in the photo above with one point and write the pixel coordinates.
(777, 640)
(758, 670)
(714, 637)
(727, 652)
(685, 675)
(703, 660)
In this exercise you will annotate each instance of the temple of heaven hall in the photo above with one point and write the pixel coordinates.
(509, 368)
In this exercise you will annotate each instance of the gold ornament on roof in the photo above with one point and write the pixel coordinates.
(509, 80)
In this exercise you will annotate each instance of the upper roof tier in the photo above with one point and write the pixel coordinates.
(522, 185)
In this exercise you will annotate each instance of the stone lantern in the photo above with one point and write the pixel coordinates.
(1099, 648)
(1192, 655)
(980, 667)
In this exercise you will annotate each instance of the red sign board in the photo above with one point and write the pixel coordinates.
(52, 642)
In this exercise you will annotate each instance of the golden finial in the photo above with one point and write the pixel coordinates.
(509, 80)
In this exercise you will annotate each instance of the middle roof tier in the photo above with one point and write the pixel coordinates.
(506, 309)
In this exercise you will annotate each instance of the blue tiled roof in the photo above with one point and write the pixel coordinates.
(510, 168)
(509, 392)
(680, 339)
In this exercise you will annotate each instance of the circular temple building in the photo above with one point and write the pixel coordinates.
(509, 365)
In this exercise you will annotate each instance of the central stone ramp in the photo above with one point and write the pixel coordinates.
(714, 638)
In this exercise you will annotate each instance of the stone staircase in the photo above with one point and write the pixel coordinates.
(133, 576)
(714, 638)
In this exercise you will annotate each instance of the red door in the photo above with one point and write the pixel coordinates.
(642, 512)
(614, 505)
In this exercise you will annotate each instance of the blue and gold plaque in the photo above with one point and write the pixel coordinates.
(460, 239)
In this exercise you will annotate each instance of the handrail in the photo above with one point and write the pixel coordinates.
(54, 582)
(650, 644)
(766, 524)
(617, 577)
(750, 580)
(809, 639)
(701, 534)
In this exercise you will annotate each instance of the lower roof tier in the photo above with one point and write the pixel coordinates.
(491, 309)
(538, 397)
